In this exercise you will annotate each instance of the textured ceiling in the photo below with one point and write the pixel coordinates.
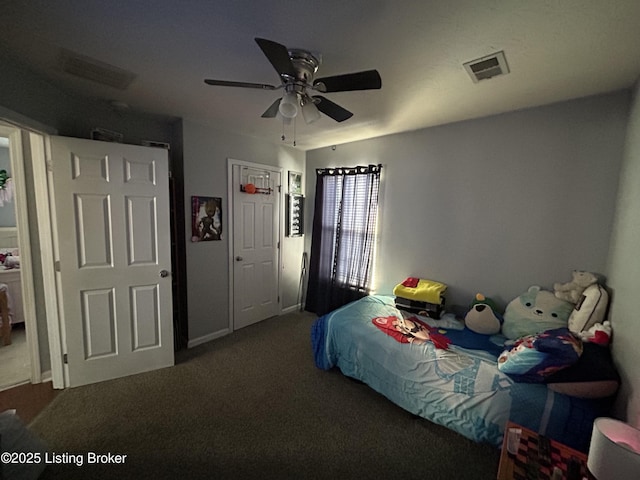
(556, 50)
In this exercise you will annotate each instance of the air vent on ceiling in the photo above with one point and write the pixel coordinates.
(487, 67)
(94, 70)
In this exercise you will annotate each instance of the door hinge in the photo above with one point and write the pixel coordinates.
(279, 188)
(65, 359)
(278, 298)
(278, 245)
(56, 265)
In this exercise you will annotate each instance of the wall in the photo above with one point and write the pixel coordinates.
(206, 151)
(496, 204)
(624, 273)
(71, 115)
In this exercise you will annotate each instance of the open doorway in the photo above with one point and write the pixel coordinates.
(19, 357)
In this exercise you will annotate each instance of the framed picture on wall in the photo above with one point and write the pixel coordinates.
(295, 216)
(206, 219)
(295, 183)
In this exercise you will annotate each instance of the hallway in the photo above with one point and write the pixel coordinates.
(14, 359)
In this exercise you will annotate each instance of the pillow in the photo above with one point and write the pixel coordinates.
(534, 357)
(594, 375)
(5, 256)
(590, 309)
(599, 389)
(535, 311)
(12, 261)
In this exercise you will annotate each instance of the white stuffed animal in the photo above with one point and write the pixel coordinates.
(572, 291)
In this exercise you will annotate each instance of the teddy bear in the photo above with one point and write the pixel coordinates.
(600, 333)
(536, 310)
(572, 291)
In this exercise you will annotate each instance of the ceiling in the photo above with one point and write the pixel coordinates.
(555, 50)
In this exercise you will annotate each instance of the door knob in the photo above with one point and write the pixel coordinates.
(238, 258)
(164, 273)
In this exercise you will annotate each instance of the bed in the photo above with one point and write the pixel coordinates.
(459, 388)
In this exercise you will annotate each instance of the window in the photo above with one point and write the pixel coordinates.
(344, 231)
(355, 212)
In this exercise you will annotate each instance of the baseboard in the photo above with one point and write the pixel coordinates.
(292, 308)
(194, 342)
(207, 338)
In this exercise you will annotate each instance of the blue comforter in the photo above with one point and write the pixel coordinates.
(458, 388)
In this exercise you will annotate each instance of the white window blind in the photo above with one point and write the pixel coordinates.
(354, 198)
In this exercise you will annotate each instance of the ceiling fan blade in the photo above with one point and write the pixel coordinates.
(278, 55)
(272, 111)
(225, 83)
(331, 109)
(367, 80)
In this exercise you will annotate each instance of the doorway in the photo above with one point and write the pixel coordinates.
(33, 151)
(19, 356)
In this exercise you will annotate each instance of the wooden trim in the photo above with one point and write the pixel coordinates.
(47, 255)
(24, 243)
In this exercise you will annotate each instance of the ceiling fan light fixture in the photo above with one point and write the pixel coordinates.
(310, 112)
(289, 105)
(296, 69)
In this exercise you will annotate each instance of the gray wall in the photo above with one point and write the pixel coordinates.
(71, 115)
(206, 151)
(496, 204)
(624, 273)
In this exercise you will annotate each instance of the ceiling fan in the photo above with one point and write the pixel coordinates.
(296, 69)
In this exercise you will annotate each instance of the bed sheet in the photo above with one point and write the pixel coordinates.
(458, 388)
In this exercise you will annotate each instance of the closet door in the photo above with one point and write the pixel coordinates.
(256, 230)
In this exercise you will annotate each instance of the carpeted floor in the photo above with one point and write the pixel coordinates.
(251, 405)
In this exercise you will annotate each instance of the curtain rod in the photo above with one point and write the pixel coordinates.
(360, 169)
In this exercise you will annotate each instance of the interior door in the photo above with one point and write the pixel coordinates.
(255, 245)
(112, 213)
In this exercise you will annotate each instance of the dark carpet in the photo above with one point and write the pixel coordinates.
(251, 405)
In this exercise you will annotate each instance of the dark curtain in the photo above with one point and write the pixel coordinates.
(343, 237)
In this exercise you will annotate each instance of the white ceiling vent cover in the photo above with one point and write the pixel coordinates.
(487, 67)
(94, 70)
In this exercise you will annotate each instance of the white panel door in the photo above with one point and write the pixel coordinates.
(255, 248)
(112, 212)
